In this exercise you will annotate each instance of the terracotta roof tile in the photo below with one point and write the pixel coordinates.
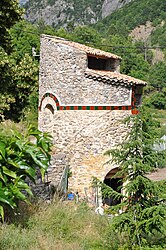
(109, 75)
(89, 50)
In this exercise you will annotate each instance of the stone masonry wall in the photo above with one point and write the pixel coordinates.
(84, 136)
(62, 72)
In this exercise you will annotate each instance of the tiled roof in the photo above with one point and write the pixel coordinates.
(109, 76)
(89, 50)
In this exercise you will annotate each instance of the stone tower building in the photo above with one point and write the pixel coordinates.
(83, 100)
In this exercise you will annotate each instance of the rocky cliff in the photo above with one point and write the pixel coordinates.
(109, 6)
(64, 12)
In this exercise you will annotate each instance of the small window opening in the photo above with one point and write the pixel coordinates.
(96, 63)
(102, 63)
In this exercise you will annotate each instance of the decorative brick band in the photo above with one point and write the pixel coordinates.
(132, 107)
(94, 108)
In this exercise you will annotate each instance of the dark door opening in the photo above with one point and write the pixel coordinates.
(115, 184)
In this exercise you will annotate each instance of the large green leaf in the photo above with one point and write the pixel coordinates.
(33, 131)
(2, 212)
(24, 186)
(18, 194)
(9, 172)
(36, 160)
(28, 169)
(3, 177)
(20, 144)
(5, 199)
(13, 163)
(2, 149)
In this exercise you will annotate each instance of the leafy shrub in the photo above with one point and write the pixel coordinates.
(20, 155)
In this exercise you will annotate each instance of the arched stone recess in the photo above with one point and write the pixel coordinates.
(47, 112)
(49, 98)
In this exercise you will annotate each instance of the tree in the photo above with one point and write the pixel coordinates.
(24, 36)
(10, 13)
(20, 155)
(157, 76)
(143, 205)
(25, 82)
(157, 86)
(85, 34)
(18, 70)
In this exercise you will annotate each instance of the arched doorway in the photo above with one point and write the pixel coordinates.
(116, 184)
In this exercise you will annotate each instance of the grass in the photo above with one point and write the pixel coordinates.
(57, 226)
(61, 226)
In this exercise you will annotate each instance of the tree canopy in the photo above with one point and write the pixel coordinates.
(18, 71)
(10, 13)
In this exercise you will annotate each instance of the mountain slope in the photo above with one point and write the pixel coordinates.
(136, 13)
(75, 12)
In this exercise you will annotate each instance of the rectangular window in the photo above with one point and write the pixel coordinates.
(110, 64)
(96, 63)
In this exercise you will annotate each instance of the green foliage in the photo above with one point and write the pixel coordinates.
(143, 204)
(159, 34)
(85, 34)
(19, 80)
(6, 71)
(24, 37)
(18, 71)
(25, 71)
(10, 13)
(157, 99)
(157, 76)
(19, 156)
